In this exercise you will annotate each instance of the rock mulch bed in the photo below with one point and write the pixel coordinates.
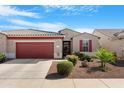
(92, 71)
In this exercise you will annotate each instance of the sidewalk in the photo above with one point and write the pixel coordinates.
(84, 83)
(62, 83)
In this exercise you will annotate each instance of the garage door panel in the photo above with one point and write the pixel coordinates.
(34, 50)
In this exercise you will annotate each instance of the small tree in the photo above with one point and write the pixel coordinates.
(2, 57)
(105, 56)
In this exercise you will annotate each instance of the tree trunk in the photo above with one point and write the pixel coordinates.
(102, 64)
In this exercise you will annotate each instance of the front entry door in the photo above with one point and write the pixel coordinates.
(66, 48)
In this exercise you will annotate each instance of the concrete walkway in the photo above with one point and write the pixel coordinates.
(62, 83)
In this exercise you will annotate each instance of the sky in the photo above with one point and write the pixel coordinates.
(82, 18)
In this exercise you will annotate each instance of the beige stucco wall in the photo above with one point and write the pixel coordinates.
(95, 43)
(112, 45)
(104, 40)
(3, 43)
(69, 34)
(117, 46)
(11, 47)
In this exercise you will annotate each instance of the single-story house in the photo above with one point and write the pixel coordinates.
(44, 44)
(79, 42)
(111, 39)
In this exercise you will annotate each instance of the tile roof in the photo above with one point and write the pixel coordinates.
(110, 32)
(30, 32)
(3, 33)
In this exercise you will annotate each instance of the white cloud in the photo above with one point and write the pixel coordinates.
(39, 25)
(72, 9)
(50, 8)
(11, 27)
(88, 30)
(13, 11)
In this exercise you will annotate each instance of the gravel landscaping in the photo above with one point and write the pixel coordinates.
(92, 71)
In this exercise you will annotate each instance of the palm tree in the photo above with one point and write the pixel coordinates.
(105, 56)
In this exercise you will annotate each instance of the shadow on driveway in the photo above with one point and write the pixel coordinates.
(54, 76)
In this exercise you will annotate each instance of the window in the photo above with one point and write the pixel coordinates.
(85, 46)
(123, 53)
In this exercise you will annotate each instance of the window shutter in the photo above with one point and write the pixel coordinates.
(90, 45)
(81, 45)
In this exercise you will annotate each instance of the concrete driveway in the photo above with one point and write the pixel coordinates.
(25, 69)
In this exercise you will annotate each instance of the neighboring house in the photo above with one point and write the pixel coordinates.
(3, 43)
(111, 39)
(43, 44)
(79, 42)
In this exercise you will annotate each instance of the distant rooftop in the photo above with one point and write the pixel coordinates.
(110, 32)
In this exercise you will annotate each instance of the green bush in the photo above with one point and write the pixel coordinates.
(2, 57)
(86, 57)
(83, 56)
(64, 67)
(93, 57)
(115, 56)
(80, 55)
(73, 59)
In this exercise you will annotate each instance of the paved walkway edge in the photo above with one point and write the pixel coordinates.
(62, 83)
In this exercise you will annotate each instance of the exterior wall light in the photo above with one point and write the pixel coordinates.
(57, 46)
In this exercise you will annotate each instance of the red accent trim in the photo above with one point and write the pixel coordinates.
(81, 45)
(35, 37)
(90, 45)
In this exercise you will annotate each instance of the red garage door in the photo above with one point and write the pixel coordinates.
(34, 50)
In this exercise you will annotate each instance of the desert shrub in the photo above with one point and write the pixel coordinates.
(2, 57)
(115, 56)
(105, 56)
(115, 59)
(84, 63)
(87, 57)
(93, 58)
(83, 56)
(80, 55)
(64, 67)
(72, 58)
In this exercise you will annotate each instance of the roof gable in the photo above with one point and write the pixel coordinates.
(69, 30)
(86, 33)
(68, 33)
